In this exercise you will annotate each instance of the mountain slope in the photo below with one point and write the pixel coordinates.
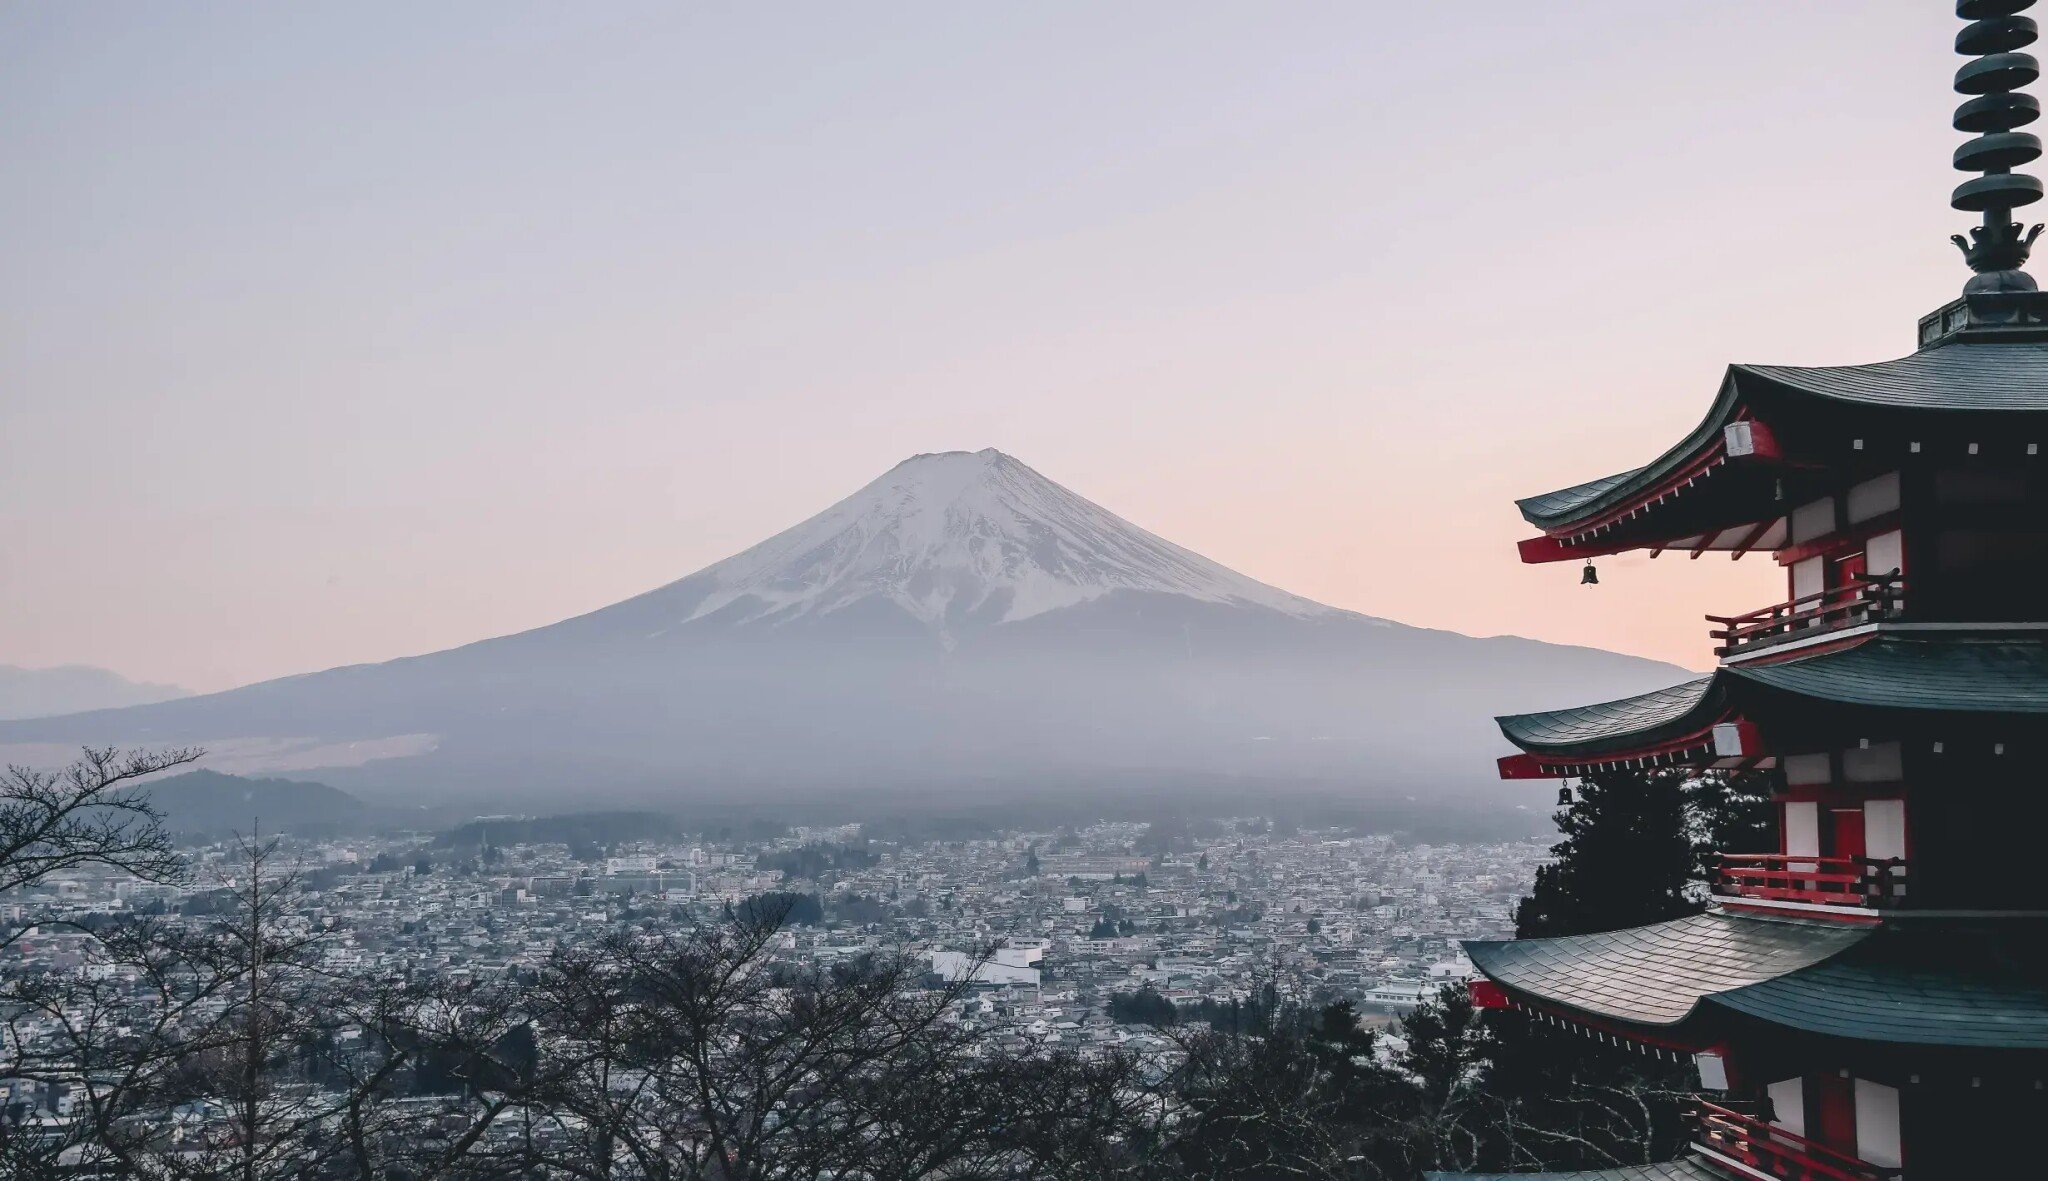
(69, 688)
(976, 536)
(209, 802)
(962, 619)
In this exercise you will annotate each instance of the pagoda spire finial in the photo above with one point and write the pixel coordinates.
(1998, 248)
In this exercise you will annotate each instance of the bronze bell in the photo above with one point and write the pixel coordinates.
(1589, 576)
(1564, 797)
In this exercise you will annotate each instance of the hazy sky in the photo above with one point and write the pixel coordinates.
(336, 333)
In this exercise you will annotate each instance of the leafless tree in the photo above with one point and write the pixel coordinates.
(228, 1051)
(1067, 1117)
(1282, 1103)
(701, 1055)
(53, 822)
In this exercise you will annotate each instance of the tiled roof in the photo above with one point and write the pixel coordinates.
(1562, 505)
(1586, 728)
(1580, 500)
(1952, 673)
(1993, 377)
(1657, 975)
(1928, 982)
(1923, 671)
(1683, 1169)
(1984, 378)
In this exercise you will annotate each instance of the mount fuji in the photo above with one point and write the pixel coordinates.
(966, 537)
(960, 624)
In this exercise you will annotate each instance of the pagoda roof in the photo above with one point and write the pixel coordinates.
(1628, 722)
(1931, 983)
(2004, 378)
(1554, 510)
(1936, 672)
(1567, 504)
(1683, 1169)
(1659, 974)
(1959, 674)
(1995, 378)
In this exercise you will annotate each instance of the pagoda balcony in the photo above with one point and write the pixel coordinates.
(1809, 880)
(1765, 1150)
(1862, 600)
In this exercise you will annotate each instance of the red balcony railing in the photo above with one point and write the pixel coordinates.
(1804, 877)
(1863, 600)
(1777, 1152)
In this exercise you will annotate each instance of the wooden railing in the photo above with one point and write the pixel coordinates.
(1805, 877)
(1861, 601)
(1778, 1153)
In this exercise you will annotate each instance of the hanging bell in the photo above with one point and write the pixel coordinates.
(1564, 797)
(1589, 576)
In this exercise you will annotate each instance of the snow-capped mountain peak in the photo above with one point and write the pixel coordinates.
(960, 533)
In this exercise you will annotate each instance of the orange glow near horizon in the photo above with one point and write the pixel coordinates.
(564, 304)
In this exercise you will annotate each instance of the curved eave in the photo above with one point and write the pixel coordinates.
(1683, 1169)
(1734, 531)
(1607, 725)
(1951, 674)
(1929, 984)
(1657, 976)
(1725, 492)
(1632, 509)
(2001, 378)
(1581, 505)
(1714, 719)
(1566, 505)
(1923, 984)
(1687, 723)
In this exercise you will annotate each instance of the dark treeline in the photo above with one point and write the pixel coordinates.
(1176, 822)
(816, 860)
(575, 829)
(1236, 1015)
(783, 908)
(209, 803)
(222, 1046)
(1181, 802)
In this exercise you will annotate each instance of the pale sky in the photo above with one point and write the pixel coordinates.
(334, 333)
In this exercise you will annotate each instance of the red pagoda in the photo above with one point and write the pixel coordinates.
(1870, 1001)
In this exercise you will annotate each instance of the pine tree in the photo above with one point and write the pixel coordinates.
(1627, 858)
(1731, 812)
(1632, 847)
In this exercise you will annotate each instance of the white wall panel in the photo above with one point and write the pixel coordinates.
(1802, 830)
(1813, 520)
(1809, 577)
(1884, 828)
(1882, 762)
(1788, 1096)
(1873, 498)
(1801, 770)
(1877, 1124)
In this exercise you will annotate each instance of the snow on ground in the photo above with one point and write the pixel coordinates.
(950, 532)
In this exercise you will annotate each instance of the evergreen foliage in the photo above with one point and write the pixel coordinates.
(1632, 849)
(574, 828)
(770, 1067)
(1626, 858)
(780, 907)
(1633, 846)
(1143, 1007)
(1731, 812)
(815, 861)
